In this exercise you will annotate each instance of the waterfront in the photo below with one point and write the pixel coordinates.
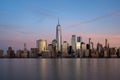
(60, 69)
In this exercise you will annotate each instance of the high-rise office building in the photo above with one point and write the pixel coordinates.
(79, 39)
(78, 43)
(83, 49)
(10, 52)
(65, 48)
(55, 48)
(59, 37)
(106, 48)
(78, 46)
(54, 42)
(25, 53)
(41, 45)
(106, 43)
(73, 42)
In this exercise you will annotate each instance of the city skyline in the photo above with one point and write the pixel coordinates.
(27, 21)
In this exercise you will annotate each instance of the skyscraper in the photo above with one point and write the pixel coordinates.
(55, 48)
(65, 49)
(41, 45)
(59, 37)
(78, 46)
(73, 42)
(78, 39)
(106, 43)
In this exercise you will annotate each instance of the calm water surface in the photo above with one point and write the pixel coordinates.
(59, 69)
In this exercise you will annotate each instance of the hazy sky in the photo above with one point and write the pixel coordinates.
(25, 21)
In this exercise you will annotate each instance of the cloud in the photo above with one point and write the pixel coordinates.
(42, 11)
(95, 19)
(45, 13)
(6, 26)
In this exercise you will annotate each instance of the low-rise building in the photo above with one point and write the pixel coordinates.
(10, 52)
(1, 53)
(34, 52)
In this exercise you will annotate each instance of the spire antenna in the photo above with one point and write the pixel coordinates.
(58, 21)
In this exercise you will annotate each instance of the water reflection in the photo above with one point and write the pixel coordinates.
(59, 69)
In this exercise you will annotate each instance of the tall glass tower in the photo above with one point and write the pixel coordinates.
(59, 37)
(73, 42)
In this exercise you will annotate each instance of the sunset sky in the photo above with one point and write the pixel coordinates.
(25, 21)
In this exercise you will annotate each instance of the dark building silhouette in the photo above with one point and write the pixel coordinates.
(70, 51)
(79, 39)
(1, 53)
(10, 53)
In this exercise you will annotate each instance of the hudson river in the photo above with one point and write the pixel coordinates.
(60, 69)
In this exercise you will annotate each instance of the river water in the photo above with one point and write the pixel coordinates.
(60, 69)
